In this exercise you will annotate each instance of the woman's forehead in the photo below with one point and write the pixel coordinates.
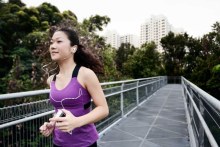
(59, 34)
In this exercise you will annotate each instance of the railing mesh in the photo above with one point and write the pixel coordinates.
(209, 113)
(26, 132)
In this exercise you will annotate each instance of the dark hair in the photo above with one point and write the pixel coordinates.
(83, 56)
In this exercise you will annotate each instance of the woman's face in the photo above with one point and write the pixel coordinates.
(60, 48)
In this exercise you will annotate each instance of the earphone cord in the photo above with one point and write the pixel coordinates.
(45, 69)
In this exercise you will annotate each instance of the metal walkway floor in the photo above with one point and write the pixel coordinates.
(158, 122)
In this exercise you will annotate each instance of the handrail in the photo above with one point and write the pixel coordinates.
(108, 95)
(23, 94)
(127, 81)
(213, 101)
(201, 119)
(46, 91)
(26, 119)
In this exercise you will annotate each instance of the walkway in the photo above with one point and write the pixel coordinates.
(158, 122)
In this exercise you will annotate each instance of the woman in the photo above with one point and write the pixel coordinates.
(71, 90)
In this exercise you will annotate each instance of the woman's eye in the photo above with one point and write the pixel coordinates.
(59, 41)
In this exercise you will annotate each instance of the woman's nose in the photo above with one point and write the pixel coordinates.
(53, 46)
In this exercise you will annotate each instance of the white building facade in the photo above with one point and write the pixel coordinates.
(132, 39)
(112, 38)
(154, 29)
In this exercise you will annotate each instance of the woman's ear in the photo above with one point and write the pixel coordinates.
(74, 49)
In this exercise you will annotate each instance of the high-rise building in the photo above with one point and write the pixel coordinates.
(112, 38)
(154, 29)
(132, 39)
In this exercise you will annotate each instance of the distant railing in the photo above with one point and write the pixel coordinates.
(203, 113)
(19, 123)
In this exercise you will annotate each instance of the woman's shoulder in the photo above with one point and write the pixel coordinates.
(86, 72)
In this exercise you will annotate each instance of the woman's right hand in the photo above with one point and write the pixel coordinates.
(47, 128)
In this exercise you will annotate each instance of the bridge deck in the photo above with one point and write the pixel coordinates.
(158, 122)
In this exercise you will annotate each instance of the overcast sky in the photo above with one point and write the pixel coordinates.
(194, 16)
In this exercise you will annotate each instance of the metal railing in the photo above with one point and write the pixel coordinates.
(19, 123)
(203, 115)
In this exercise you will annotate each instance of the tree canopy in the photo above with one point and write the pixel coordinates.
(24, 42)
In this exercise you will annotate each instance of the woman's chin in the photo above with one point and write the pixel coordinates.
(55, 59)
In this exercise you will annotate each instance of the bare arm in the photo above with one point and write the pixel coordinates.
(94, 88)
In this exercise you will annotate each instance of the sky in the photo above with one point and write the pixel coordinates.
(195, 17)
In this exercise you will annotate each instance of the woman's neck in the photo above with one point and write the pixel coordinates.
(66, 67)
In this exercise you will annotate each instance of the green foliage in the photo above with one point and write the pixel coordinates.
(213, 83)
(216, 69)
(108, 59)
(95, 23)
(125, 51)
(145, 62)
(193, 54)
(24, 40)
(196, 59)
(22, 31)
(17, 2)
(69, 15)
(206, 69)
(174, 53)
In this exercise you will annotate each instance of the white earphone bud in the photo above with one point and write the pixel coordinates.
(74, 49)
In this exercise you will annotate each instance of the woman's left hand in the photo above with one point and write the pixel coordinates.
(67, 123)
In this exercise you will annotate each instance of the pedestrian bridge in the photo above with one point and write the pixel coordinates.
(150, 112)
(159, 121)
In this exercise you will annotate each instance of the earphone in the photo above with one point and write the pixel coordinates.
(74, 49)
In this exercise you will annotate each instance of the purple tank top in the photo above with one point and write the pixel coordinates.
(76, 99)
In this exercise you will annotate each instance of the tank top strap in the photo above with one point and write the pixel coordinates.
(54, 77)
(76, 71)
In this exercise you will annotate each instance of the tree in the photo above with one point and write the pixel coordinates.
(9, 36)
(95, 23)
(206, 71)
(17, 2)
(174, 47)
(145, 62)
(193, 53)
(22, 30)
(49, 14)
(213, 83)
(108, 58)
(122, 55)
(69, 15)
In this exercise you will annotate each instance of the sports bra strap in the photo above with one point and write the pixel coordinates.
(54, 77)
(76, 71)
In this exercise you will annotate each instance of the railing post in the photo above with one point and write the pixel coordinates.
(137, 93)
(122, 100)
(158, 84)
(162, 81)
(190, 104)
(201, 129)
(146, 91)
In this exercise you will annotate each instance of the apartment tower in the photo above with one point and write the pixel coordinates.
(112, 38)
(132, 39)
(154, 29)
